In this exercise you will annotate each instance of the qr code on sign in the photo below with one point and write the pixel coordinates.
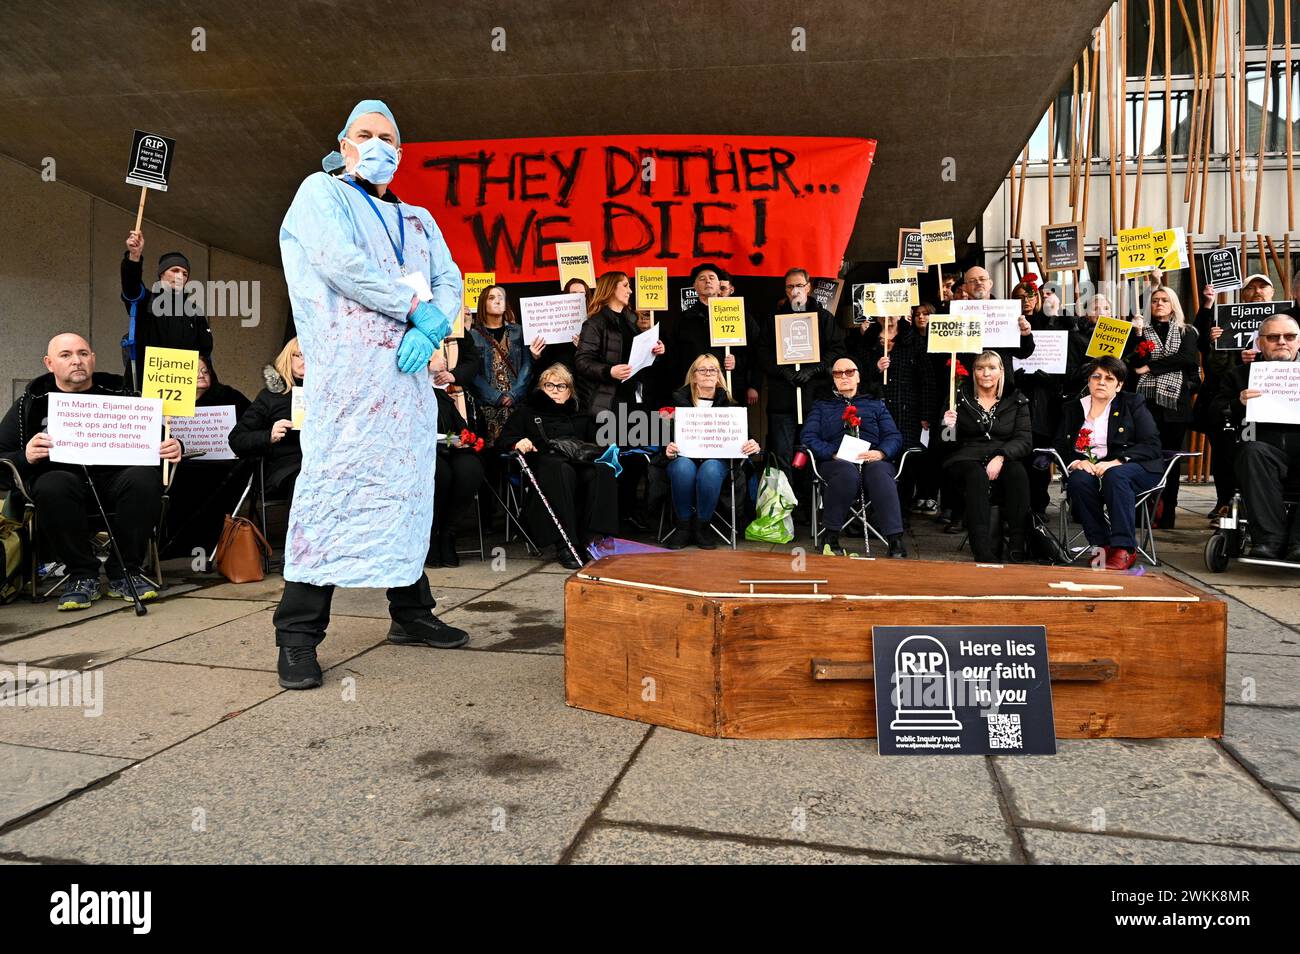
(1004, 731)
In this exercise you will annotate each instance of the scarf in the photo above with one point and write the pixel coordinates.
(1163, 388)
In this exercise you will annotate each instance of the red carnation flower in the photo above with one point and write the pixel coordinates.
(464, 435)
(666, 412)
(478, 444)
(1145, 348)
(1085, 440)
(1031, 280)
(851, 414)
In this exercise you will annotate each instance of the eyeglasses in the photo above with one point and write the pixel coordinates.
(707, 372)
(1287, 336)
(1100, 378)
(796, 287)
(979, 281)
(844, 374)
(554, 387)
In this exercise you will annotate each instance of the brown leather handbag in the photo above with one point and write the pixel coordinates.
(241, 551)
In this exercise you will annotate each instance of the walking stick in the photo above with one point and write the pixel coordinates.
(112, 541)
(547, 504)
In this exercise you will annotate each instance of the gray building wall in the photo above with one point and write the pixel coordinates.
(60, 271)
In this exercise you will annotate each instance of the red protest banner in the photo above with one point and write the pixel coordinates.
(754, 204)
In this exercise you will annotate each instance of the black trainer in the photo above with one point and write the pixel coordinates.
(897, 547)
(426, 631)
(299, 668)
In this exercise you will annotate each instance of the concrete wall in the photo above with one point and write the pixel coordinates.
(60, 272)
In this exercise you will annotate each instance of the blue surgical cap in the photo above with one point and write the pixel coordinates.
(334, 161)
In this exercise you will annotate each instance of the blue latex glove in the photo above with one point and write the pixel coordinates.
(432, 323)
(414, 352)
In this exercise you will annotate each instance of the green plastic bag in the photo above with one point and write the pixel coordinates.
(773, 521)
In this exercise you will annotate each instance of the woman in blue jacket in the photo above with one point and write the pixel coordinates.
(868, 419)
(507, 367)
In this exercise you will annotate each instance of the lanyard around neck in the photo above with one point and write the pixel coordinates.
(400, 244)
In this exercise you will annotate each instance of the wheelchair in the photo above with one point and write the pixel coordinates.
(1232, 537)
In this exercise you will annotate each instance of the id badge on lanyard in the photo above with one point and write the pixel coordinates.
(416, 281)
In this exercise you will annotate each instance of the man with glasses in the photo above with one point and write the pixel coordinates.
(813, 379)
(1268, 455)
(686, 337)
(978, 286)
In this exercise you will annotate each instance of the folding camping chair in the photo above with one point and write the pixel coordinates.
(859, 511)
(724, 525)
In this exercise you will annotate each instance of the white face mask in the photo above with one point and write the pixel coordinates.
(377, 160)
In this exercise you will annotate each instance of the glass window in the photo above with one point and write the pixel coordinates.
(1257, 23)
(1277, 118)
(1181, 100)
(1180, 53)
(1059, 137)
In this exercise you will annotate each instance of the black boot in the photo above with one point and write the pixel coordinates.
(447, 548)
(1016, 547)
(703, 534)
(897, 546)
(681, 535)
(565, 558)
(298, 667)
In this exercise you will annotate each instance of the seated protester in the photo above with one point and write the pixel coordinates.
(1114, 428)
(1044, 391)
(1217, 365)
(607, 385)
(812, 380)
(506, 368)
(548, 429)
(1167, 369)
(993, 434)
(265, 430)
(63, 500)
(696, 484)
(166, 319)
(850, 412)
(909, 395)
(1270, 461)
(458, 474)
(204, 491)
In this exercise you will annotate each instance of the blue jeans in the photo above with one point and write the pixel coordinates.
(696, 484)
(1118, 492)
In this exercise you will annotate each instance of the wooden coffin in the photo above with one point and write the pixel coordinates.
(683, 640)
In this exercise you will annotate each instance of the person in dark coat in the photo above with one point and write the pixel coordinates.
(687, 336)
(582, 494)
(866, 418)
(164, 318)
(460, 469)
(1167, 372)
(929, 463)
(993, 432)
(978, 286)
(204, 491)
(63, 498)
(562, 352)
(265, 429)
(1116, 460)
(696, 484)
(607, 385)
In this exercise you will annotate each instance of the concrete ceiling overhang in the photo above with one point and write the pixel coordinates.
(253, 113)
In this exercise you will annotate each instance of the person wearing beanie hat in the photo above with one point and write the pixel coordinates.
(161, 316)
(686, 336)
(374, 292)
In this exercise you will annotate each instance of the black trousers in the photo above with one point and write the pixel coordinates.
(1172, 435)
(131, 495)
(456, 480)
(304, 611)
(973, 483)
(1223, 454)
(585, 498)
(634, 468)
(1263, 470)
(1040, 479)
(782, 434)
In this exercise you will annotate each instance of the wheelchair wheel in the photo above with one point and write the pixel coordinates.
(1216, 553)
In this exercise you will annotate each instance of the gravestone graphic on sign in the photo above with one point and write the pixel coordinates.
(151, 161)
(922, 694)
(797, 337)
(1223, 269)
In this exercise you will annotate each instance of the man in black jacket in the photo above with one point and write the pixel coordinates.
(60, 492)
(1268, 456)
(687, 336)
(161, 317)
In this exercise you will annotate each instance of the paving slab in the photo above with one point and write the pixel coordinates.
(829, 792)
(524, 615)
(614, 845)
(249, 642)
(1262, 679)
(268, 588)
(146, 707)
(1282, 603)
(1250, 631)
(99, 641)
(33, 778)
(444, 756)
(23, 618)
(1267, 741)
(1045, 847)
(1173, 788)
(473, 574)
(374, 602)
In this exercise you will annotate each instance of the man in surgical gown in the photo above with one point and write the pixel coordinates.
(374, 291)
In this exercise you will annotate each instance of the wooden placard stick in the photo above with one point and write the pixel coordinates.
(1230, 103)
(952, 382)
(1194, 125)
(798, 396)
(1290, 145)
(167, 435)
(726, 352)
(1087, 140)
(1146, 102)
(884, 337)
(139, 213)
(1207, 137)
(1263, 118)
(1123, 110)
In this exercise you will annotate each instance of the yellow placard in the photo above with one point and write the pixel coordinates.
(1136, 251)
(171, 375)
(871, 300)
(894, 299)
(475, 282)
(298, 408)
(1168, 249)
(1109, 337)
(726, 322)
(574, 259)
(458, 326)
(652, 289)
(958, 335)
(937, 242)
(905, 274)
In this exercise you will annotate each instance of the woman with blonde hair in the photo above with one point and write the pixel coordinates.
(1166, 364)
(266, 428)
(696, 484)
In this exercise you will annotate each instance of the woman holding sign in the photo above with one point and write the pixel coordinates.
(1168, 373)
(507, 366)
(266, 430)
(993, 440)
(697, 484)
